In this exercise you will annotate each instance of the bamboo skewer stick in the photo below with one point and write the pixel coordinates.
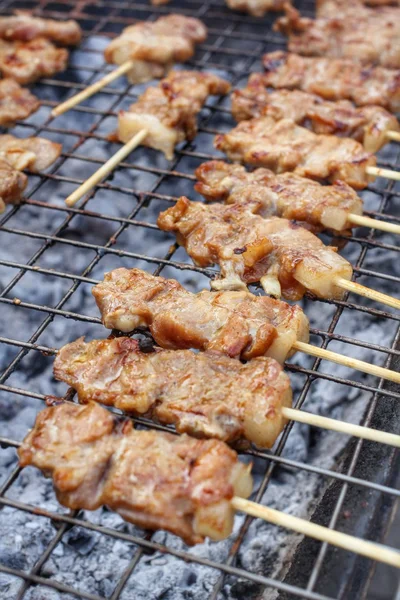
(363, 221)
(378, 172)
(394, 136)
(362, 290)
(107, 168)
(347, 361)
(92, 89)
(371, 550)
(365, 433)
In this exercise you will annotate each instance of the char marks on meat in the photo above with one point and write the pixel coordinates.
(155, 480)
(155, 46)
(368, 125)
(27, 62)
(207, 395)
(236, 323)
(16, 103)
(287, 259)
(24, 28)
(285, 146)
(286, 195)
(169, 110)
(334, 79)
(34, 153)
(12, 185)
(366, 35)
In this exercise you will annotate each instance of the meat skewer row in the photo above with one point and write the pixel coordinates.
(334, 79)
(285, 258)
(235, 323)
(336, 208)
(27, 51)
(162, 117)
(189, 487)
(285, 146)
(366, 35)
(34, 154)
(145, 51)
(373, 126)
(206, 395)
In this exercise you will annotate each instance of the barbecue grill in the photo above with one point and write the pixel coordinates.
(51, 256)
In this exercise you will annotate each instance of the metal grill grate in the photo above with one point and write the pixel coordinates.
(101, 238)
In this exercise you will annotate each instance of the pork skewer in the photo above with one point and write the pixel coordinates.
(365, 35)
(163, 116)
(157, 480)
(206, 395)
(145, 51)
(334, 79)
(373, 126)
(285, 258)
(257, 8)
(336, 208)
(236, 323)
(16, 103)
(285, 146)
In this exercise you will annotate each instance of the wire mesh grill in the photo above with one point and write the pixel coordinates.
(99, 235)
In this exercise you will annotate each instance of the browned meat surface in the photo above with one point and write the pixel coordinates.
(286, 195)
(334, 79)
(16, 103)
(12, 185)
(368, 125)
(287, 259)
(27, 62)
(370, 36)
(205, 395)
(284, 146)
(23, 27)
(342, 8)
(257, 8)
(169, 111)
(238, 324)
(155, 46)
(34, 153)
(155, 480)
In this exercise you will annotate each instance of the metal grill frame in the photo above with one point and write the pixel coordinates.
(342, 483)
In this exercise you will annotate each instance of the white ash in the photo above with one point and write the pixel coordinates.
(87, 560)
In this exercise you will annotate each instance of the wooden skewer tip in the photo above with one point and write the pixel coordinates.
(378, 172)
(364, 221)
(362, 290)
(394, 136)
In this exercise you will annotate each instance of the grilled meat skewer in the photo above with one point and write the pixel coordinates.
(361, 34)
(334, 79)
(370, 125)
(284, 146)
(24, 27)
(237, 324)
(205, 395)
(169, 111)
(153, 47)
(16, 103)
(155, 480)
(286, 195)
(256, 8)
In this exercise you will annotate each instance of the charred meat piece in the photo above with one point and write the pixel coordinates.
(12, 185)
(16, 103)
(368, 125)
(361, 34)
(237, 324)
(34, 153)
(154, 47)
(257, 8)
(154, 480)
(284, 146)
(169, 111)
(286, 195)
(207, 395)
(27, 62)
(24, 28)
(334, 79)
(287, 259)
